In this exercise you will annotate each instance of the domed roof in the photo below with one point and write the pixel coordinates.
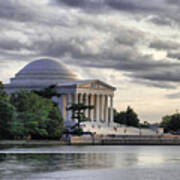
(45, 66)
(44, 71)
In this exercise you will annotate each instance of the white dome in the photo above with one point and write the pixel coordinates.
(43, 72)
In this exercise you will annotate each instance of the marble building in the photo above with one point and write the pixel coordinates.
(42, 73)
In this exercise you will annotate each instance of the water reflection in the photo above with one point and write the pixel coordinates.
(57, 161)
(24, 165)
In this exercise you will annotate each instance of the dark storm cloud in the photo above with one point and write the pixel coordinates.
(15, 11)
(6, 57)
(165, 12)
(124, 5)
(174, 96)
(164, 45)
(131, 5)
(128, 37)
(152, 73)
(175, 2)
(23, 12)
(92, 6)
(76, 3)
(117, 46)
(11, 45)
(161, 21)
(174, 55)
(158, 84)
(143, 64)
(161, 76)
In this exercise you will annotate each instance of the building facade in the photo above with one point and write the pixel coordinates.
(42, 73)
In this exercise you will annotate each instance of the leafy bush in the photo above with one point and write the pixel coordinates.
(7, 116)
(37, 117)
(128, 117)
(171, 122)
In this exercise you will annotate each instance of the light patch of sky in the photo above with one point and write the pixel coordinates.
(20, 36)
(35, 2)
(161, 54)
(96, 42)
(156, 110)
(149, 109)
(9, 69)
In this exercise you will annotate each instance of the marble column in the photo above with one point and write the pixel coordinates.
(61, 105)
(107, 110)
(75, 98)
(102, 107)
(92, 110)
(69, 103)
(97, 108)
(111, 110)
(80, 98)
(86, 103)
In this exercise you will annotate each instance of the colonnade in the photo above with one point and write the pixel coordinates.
(102, 111)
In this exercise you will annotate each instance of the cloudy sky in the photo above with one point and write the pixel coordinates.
(132, 44)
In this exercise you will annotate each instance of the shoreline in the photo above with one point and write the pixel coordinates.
(76, 140)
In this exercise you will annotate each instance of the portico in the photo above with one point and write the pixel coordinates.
(90, 92)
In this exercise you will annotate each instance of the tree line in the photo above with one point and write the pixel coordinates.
(171, 123)
(29, 114)
(128, 117)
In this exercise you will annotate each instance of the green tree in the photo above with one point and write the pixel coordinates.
(48, 92)
(128, 117)
(78, 113)
(7, 116)
(145, 124)
(120, 117)
(54, 123)
(131, 117)
(171, 122)
(29, 124)
(37, 117)
(27, 101)
(3, 93)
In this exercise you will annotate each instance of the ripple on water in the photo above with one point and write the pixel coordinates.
(91, 162)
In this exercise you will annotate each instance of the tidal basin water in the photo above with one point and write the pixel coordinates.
(90, 163)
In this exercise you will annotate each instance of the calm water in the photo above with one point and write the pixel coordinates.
(90, 162)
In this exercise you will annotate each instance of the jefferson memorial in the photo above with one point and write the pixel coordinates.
(44, 72)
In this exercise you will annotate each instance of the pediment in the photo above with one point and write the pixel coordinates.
(96, 84)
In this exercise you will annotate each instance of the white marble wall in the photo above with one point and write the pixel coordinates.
(103, 106)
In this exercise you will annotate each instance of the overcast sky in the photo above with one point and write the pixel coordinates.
(133, 45)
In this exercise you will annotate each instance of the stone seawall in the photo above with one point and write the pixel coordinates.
(30, 142)
(126, 140)
(99, 140)
(140, 141)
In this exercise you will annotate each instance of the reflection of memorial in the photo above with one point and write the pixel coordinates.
(44, 72)
(56, 162)
(72, 161)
